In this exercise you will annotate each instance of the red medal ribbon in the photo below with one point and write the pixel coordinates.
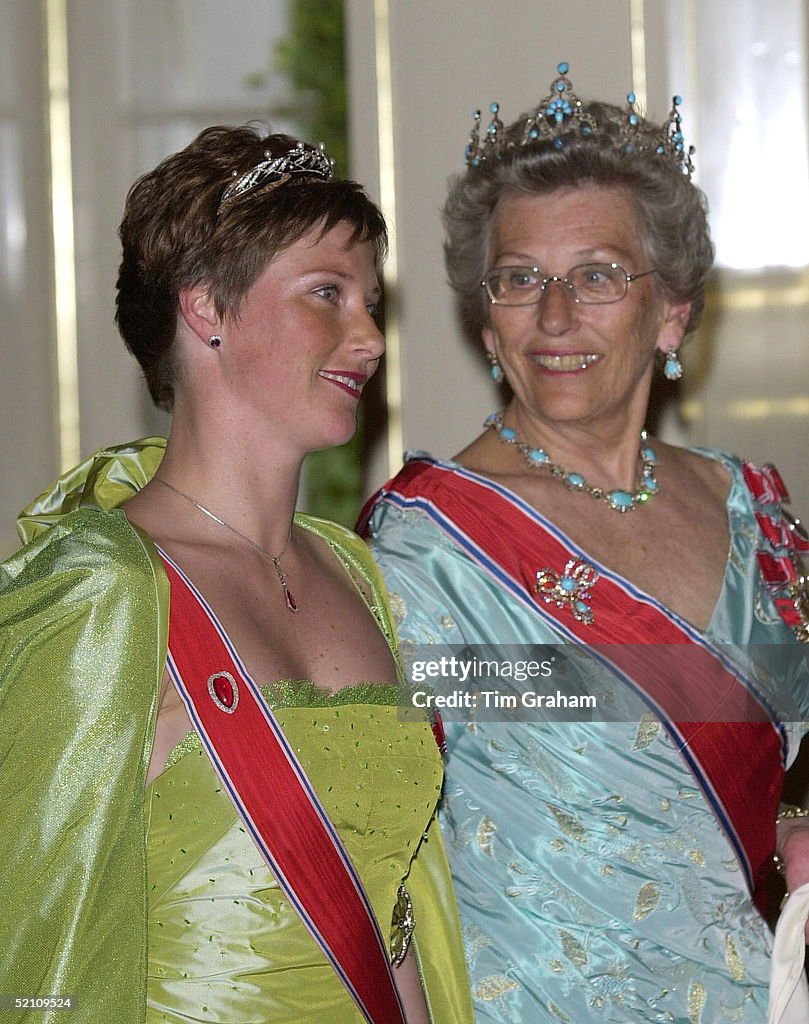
(276, 801)
(777, 571)
(717, 720)
(776, 531)
(765, 484)
(781, 567)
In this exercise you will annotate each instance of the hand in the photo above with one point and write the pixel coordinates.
(793, 850)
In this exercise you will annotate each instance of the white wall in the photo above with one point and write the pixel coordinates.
(28, 428)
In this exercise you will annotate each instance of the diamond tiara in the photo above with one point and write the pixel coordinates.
(561, 120)
(302, 160)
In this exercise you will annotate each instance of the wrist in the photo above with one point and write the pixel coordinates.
(790, 820)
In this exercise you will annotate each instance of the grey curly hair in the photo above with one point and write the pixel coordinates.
(672, 211)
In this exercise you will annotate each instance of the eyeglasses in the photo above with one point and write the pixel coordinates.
(592, 284)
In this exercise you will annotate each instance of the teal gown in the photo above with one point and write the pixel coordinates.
(593, 880)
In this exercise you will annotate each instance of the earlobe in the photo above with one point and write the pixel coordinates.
(680, 314)
(199, 312)
(674, 326)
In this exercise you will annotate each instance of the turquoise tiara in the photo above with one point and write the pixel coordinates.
(561, 120)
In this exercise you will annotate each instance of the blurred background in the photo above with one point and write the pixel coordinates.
(94, 92)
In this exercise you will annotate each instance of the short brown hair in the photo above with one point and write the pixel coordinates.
(174, 235)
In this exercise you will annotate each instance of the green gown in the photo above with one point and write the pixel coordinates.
(151, 904)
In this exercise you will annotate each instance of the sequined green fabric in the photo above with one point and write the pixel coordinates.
(302, 693)
(221, 932)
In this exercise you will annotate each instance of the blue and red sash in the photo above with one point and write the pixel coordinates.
(276, 801)
(718, 721)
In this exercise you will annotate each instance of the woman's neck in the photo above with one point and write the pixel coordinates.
(606, 453)
(248, 482)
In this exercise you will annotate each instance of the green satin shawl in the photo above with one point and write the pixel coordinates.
(83, 633)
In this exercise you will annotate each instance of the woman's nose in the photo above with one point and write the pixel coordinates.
(369, 337)
(556, 306)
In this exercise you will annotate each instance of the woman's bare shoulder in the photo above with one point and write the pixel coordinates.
(693, 469)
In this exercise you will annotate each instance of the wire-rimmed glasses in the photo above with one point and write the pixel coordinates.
(591, 284)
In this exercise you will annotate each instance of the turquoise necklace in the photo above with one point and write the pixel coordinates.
(619, 500)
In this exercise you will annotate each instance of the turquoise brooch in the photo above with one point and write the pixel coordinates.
(570, 589)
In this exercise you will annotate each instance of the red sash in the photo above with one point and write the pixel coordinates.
(716, 718)
(276, 801)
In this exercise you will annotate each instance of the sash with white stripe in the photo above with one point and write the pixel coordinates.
(717, 719)
(276, 801)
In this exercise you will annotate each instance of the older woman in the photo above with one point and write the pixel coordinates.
(605, 870)
(211, 810)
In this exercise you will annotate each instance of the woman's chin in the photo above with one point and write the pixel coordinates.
(557, 409)
(337, 434)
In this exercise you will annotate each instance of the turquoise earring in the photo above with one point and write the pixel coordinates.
(672, 368)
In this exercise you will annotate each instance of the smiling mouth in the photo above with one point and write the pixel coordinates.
(566, 363)
(351, 382)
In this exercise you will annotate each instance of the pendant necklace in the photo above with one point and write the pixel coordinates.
(291, 603)
(618, 500)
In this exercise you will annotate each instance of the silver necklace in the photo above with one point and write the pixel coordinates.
(291, 603)
(618, 500)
